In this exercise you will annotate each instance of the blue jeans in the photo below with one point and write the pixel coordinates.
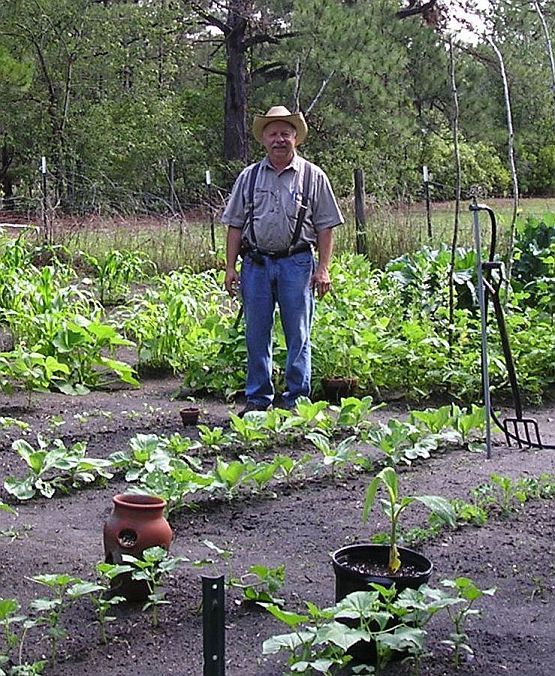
(285, 281)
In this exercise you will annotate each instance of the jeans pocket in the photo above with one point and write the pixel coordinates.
(305, 259)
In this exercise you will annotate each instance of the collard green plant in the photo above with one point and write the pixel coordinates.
(53, 466)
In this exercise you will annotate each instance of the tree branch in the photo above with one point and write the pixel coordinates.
(213, 70)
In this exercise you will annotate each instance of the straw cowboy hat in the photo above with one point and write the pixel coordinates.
(276, 114)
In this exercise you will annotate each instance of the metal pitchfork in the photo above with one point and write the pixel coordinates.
(524, 431)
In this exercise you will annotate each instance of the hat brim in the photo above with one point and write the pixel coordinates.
(295, 119)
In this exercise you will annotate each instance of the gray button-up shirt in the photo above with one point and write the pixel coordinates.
(277, 200)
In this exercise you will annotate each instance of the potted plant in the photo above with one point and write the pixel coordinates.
(358, 565)
(337, 365)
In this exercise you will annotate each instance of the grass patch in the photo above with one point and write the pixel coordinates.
(391, 231)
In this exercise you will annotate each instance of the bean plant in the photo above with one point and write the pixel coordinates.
(153, 567)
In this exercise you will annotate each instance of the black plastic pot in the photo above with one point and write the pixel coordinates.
(189, 415)
(348, 580)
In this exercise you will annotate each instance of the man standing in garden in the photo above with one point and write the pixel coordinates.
(279, 211)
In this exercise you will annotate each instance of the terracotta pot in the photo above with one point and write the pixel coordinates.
(136, 523)
(348, 580)
(189, 415)
(335, 388)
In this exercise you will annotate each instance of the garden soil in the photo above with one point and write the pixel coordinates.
(297, 526)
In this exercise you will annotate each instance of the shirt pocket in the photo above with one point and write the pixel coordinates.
(293, 206)
(264, 203)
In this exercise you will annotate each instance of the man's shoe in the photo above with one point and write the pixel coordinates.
(251, 406)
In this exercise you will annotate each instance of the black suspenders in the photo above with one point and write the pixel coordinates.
(307, 176)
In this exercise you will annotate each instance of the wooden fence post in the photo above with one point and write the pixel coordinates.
(360, 215)
(426, 178)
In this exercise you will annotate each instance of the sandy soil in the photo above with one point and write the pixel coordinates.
(297, 526)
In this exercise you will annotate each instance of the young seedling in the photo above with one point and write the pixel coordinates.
(99, 594)
(467, 592)
(394, 506)
(154, 566)
(334, 455)
(261, 583)
(50, 609)
(14, 641)
(317, 647)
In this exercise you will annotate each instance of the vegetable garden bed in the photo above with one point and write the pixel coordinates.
(296, 524)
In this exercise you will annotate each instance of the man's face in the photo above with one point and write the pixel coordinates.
(279, 139)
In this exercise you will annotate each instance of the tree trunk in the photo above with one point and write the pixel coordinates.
(548, 44)
(457, 157)
(236, 139)
(6, 156)
(512, 164)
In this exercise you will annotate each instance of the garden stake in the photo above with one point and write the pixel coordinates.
(483, 323)
(524, 431)
(213, 628)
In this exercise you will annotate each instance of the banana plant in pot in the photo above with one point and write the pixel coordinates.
(358, 565)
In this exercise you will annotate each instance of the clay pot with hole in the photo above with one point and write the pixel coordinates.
(136, 523)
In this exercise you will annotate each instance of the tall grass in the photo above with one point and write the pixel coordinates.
(390, 232)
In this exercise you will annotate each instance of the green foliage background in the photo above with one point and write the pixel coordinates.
(111, 92)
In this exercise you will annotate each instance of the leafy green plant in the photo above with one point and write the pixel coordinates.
(506, 495)
(6, 422)
(318, 647)
(32, 371)
(49, 610)
(394, 506)
(99, 594)
(400, 441)
(214, 437)
(337, 455)
(381, 618)
(153, 567)
(261, 583)
(467, 592)
(116, 270)
(53, 466)
(14, 641)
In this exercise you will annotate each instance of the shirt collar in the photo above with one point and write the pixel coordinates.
(295, 164)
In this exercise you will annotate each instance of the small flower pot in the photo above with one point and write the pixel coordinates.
(190, 415)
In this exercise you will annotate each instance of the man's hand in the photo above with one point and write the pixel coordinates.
(231, 281)
(233, 246)
(320, 281)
